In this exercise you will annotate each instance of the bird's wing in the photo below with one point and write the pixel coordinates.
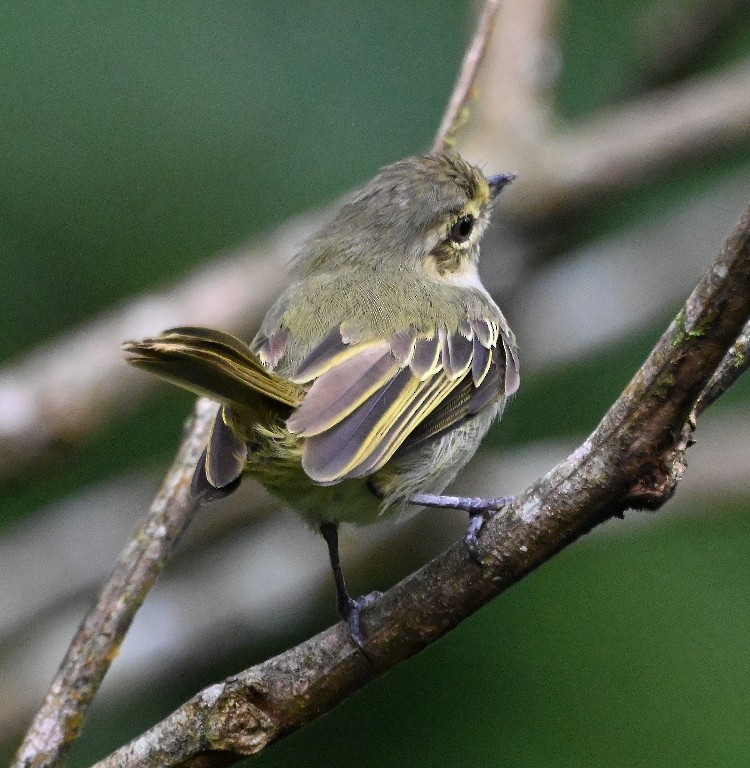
(366, 399)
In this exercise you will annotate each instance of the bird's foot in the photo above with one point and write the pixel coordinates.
(480, 511)
(350, 609)
(478, 516)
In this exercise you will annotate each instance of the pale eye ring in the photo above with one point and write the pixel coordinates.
(461, 231)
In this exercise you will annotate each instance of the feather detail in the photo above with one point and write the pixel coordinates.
(271, 349)
(457, 351)
(225, 453)
(489, 389)
(368, 399)
(331, 352)
(343, 387)
(426, 357)
(403, 344)
(329, 457)
(483, 332)
(512, 372)
(480, 362)
(426, 399)
(212, 363)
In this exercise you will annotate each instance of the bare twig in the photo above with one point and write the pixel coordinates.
(58, 723)
(454, 113)
(735, 363)
(661, 129)
(635, 456)
(521, 67)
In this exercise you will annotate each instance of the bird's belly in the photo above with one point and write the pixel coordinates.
(350, 501)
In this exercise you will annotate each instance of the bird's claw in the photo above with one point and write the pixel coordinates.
(477, 518)
(350, 613)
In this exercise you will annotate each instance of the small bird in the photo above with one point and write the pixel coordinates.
(377, 372)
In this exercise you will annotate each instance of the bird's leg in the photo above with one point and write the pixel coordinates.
(480, 510)
(348, 607)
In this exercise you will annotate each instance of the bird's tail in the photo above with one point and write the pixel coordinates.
(214, 364)
(223, 368)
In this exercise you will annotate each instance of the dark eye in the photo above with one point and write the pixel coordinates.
(461, 230)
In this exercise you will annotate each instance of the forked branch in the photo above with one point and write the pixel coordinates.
(634, 456)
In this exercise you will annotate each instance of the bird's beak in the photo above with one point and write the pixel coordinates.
(499, 182)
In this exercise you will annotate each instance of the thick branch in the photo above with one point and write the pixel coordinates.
(247, 712)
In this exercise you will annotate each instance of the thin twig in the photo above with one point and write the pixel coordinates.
(638, 446)
(58, 723)
(522, 63)
(735, 363)
(453, 117)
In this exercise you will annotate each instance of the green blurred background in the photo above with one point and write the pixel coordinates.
(138, 139)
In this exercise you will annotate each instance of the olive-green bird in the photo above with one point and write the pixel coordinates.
(376, 373)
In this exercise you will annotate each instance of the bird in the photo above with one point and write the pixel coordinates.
(375, 375)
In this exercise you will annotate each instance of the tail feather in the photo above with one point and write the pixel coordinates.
(212, 363)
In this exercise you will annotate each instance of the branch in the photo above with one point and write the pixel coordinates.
(662, 128)
(634, 457)
(734, 364)
(58, 723)
(454, 115)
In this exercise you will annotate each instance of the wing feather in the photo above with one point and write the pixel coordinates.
(512, 373)
(225, 453)
(330, 456)
(369, 399)
(480, 362)
(426, 357)
(427, 398)
(457, 352)
(330, 352)
(343, 388)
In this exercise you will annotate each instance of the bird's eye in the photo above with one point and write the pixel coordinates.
(461, 230)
